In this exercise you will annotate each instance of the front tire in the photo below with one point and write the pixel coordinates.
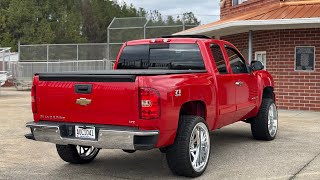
(189, 155)
(265, 125)
(76, 154)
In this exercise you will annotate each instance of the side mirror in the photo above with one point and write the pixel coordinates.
(257, 65)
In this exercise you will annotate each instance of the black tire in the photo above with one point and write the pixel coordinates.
(69, 153)
(178, 154)
(259, 124)
(163, 150)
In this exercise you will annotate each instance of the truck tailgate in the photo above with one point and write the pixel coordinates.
(97, 99)
(106, 97)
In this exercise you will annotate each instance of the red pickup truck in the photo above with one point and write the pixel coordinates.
(165, 93)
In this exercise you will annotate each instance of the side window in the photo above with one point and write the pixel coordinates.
(238, 64)
(218, 58)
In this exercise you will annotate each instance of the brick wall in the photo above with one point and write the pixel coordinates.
(229, 10)
(295, 90)
(240, 41)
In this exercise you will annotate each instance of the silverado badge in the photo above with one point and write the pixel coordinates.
(83, 101)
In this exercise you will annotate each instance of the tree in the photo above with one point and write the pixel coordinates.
(77, 21)
(190, 19)
(90, 27)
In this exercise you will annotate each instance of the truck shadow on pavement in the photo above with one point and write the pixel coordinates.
(117, 164)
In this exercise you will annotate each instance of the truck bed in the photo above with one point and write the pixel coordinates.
(109, 75)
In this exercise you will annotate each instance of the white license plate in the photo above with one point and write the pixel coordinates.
(87, 132)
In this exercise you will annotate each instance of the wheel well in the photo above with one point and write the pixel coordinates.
(268, 92)
(196, 108)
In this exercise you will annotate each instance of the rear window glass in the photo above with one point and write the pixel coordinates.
(162, 56)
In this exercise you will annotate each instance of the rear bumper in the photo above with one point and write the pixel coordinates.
(107, 137)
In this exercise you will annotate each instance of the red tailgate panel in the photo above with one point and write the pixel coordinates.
(112, 103)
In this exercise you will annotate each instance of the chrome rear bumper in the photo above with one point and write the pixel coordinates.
(107, 137)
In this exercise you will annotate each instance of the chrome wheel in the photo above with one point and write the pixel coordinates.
(273, 120)
(87, 152)
(199, 147)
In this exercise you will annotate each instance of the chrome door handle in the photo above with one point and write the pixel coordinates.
(239, 83)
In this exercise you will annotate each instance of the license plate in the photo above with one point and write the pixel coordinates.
(87, 132)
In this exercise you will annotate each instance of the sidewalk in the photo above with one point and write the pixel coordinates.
(295, 114)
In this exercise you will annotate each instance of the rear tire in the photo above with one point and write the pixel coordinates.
(265, 125)
(76, 154)
(163, 150)
(189, 155)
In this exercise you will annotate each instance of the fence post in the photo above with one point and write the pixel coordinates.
(145, 29)
(77, 57)
(109, 39)
(183, 25)
(3, 58)
(8, 63)
(32, 72)
(19, 51)
(47, 57)
(108, 49)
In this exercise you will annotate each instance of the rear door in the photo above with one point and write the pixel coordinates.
(226, 89)
(245, 83)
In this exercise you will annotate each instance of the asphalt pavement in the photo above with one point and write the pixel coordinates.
(294, 154)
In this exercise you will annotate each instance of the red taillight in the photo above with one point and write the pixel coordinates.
(149, 103)
(33, 99)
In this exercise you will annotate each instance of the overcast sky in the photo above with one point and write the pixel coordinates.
(204, 9)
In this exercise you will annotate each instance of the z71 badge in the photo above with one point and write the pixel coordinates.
(178, 93)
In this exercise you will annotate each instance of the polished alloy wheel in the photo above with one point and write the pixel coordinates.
(273, 120)
(87, 152)
(199, 147)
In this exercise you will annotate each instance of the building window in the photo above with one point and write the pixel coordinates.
(262, 57)
(237, 2)
(305, 58)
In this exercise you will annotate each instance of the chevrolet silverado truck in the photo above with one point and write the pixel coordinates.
(166, 93)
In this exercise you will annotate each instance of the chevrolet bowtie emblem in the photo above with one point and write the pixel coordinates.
(83, 101)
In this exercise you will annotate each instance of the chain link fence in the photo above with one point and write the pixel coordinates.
(5, 66)
(36, 58)
(63, 52)
(5, 54)
(23, 71)
(121, 30)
